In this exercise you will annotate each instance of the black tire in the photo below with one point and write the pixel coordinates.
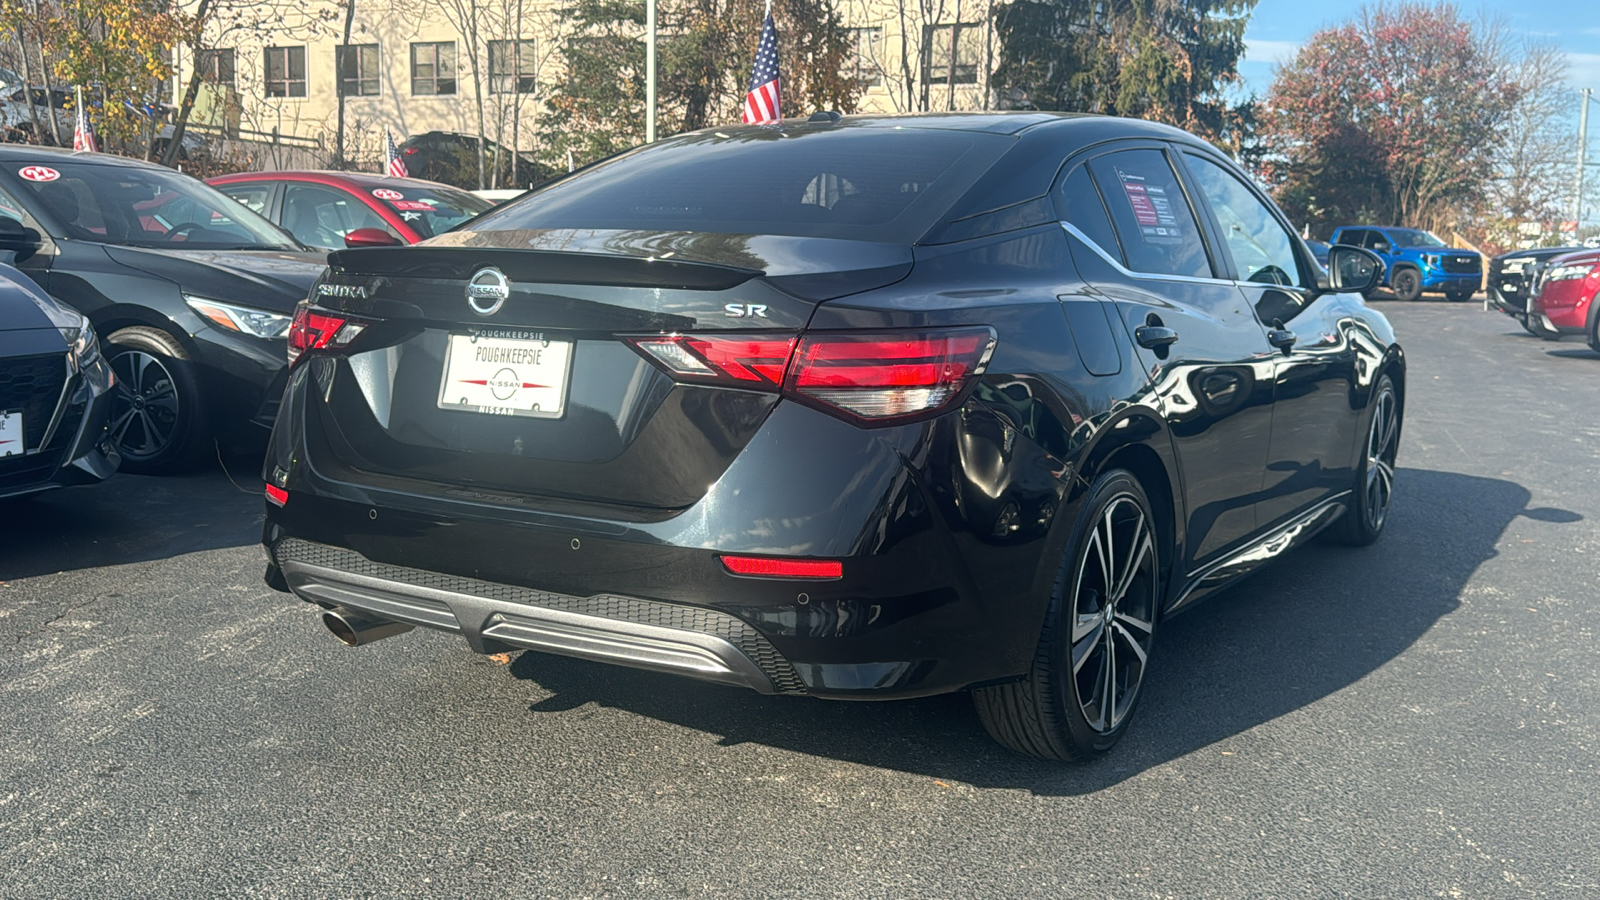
(1458, 296)
(158, 416)
(1406, 284)
(1592, 334)
(1046, 713)
(1364, 519)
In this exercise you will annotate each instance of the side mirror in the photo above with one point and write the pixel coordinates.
(1353, 269)
(1382, 247)
(370, 237)
(17, 238)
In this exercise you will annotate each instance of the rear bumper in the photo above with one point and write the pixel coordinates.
(931, 600)
(493, 618)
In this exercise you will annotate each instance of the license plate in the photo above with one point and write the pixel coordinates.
(11, 442)
(507, 374)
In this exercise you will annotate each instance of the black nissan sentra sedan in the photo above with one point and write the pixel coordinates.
(55, 386)
(191, 293)
(858, 408)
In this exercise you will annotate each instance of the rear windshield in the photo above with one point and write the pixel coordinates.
(874, 184)
(432, 210)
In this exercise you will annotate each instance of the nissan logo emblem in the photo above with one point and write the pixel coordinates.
(487, 291)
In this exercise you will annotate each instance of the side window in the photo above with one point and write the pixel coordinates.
(251, 196)
(1261, 248)
(1151, 216)
(1079, 202)
(321, 216)
(1350, 237)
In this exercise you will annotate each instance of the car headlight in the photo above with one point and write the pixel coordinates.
(81, 342)
(1562, 273)
(1430, 259)
(243, 319)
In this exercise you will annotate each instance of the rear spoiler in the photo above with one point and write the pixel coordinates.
(540, 266)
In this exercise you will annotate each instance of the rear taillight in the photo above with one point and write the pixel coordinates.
(753, 361)
(868, 377)
(888, 375)
(314, 329)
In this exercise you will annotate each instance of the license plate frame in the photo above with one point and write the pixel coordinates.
(468, 382)
(13, 436)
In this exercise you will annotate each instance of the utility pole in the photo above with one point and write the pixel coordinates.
(1583, 149)
(650, 72)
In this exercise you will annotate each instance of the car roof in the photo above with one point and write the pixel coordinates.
(1092, 126)
(330, 177)
(33, 153)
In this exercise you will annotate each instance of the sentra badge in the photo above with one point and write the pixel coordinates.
(488, 291)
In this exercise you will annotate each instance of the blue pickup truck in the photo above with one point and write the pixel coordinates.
(1415, 262)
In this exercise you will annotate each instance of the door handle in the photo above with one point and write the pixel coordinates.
(1155, 337)
(1281, 338)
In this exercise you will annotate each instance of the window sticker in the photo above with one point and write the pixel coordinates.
(38, 173)
(386, 194)
(416, 205)
(1152, 209)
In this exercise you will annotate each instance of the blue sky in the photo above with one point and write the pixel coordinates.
(1278, 27)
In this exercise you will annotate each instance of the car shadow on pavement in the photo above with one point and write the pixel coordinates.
(1316, 622)
(132, 518)
(1574, 353)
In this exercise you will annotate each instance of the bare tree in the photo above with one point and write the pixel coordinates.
(1533, 176)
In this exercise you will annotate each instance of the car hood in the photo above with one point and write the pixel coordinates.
(810, 268)
(266, 279)
(1540, 253)
(1439, 250)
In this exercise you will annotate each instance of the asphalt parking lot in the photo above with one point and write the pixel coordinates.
(1419, 719)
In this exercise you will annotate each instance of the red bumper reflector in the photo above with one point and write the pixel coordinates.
(277, 495)
(762, 567)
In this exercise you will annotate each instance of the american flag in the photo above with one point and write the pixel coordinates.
(761, 103)
(396, 167)
(83, 133)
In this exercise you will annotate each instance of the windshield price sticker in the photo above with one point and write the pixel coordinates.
(38, 173)
(386, 194)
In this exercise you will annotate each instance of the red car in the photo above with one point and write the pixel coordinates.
(1565, 297)
(351, 209)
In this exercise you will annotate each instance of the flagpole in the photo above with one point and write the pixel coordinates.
(650, 73)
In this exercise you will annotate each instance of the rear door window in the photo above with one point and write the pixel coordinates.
(1150, 213)
(1080, 204)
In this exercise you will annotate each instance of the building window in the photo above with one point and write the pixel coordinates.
(216, 66)
(512, 67)
(864, 65)
(951, 53)
(433, 69)
(286, 71)
(358, 69)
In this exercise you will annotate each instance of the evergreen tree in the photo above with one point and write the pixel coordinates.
(704, 54)
(1167, 60)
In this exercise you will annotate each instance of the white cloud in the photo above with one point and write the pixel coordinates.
(1267, 52)
(1583, 70)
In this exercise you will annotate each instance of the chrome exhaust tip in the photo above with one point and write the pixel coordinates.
(354, 629)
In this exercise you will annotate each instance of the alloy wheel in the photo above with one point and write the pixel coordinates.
(1113, 613)
(1382, 438)
(144, 410)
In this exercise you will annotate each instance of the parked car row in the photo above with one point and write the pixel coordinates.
(1550, 292)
